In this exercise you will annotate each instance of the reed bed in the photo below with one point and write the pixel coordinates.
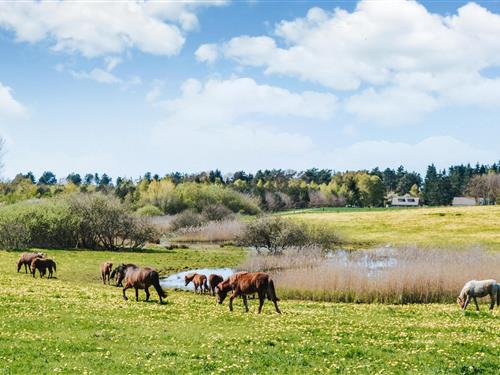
(396, 276)
(212, 231)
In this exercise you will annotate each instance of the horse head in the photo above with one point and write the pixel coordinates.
(221, 290)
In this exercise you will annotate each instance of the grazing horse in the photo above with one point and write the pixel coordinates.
(213, 281)
(199, 281)
(142, 278)
(26, 259)
(42, 264)
(244, 283)
(481, 288)
(106, 269)
(119, 272)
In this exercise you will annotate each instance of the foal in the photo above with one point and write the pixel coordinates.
(244, 283)
(42, 264)
(106, 269)
(199, 281)
(26, 259)
(481, 288)
(213, 281)
(142, 278)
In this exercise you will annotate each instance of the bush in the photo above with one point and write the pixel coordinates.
(186, 219)
(216, 212)
(173, 199)
(149, 210)
(276, 234)
(90, 221)
(104, 223)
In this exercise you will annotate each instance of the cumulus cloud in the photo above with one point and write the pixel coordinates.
(207, 53)
(440, 150)
(9, 107)
(238, 121)
(395, 52)
(103, 28)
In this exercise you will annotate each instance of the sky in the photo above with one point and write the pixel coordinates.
(128, 87)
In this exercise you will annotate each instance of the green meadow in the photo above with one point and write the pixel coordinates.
(75, 325)
(455, 227)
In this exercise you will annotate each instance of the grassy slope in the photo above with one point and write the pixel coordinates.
(74, 324)
(439, 226)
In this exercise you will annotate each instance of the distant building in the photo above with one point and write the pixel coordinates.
(405, 200)
(464, 201)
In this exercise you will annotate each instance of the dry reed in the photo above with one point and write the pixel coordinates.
(408, 275)
(213, 231)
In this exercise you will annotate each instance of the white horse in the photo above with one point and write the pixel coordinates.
(479, 288)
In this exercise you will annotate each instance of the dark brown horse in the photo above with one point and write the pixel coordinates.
(213, 281)
(106, 269)
(142, 278)
(199, 281)
(26, 259)
(42, 265)
(244, 283)
(119, 273)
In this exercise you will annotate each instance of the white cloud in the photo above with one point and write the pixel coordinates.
(392, 106)
(440, 150)
(207, 53)
(404, 58)
(236, 122)
(104, 76)
(103, 28)
(9, 107)
(228, 100)
(342, 50)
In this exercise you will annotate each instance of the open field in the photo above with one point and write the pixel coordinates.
(437, 226)
(74, 324)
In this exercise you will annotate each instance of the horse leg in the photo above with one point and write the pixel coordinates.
(124, 289)
(475, 301)
(233, 296)
(262, 298)
(103, 275)
(147, 293)
(276, 306)
(245, 302)
(136, 294)
(492, 303)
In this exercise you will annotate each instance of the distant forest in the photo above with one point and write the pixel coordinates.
(268, 190)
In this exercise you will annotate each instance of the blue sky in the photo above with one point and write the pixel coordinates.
(164, 86)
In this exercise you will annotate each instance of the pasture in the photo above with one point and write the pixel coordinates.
(74, 324)
(458, 227)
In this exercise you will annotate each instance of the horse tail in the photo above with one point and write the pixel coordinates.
(498, 294)
(271, 292)
(54, 263)
(113, 273)
(155, 280)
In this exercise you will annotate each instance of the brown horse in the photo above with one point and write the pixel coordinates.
(26, 259)
(213, 281)
(142, 278)
(199, 281)
(106, 269)
(244, 283)
(119, 272)
(42, 264)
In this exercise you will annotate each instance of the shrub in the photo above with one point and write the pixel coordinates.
(149, 210)
(186, 219)
(276, 234)
(104, 223)
(216, 212)
(91, 221)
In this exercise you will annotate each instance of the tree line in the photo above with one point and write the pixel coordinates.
(270, 190)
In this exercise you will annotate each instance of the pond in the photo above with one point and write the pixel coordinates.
(176, 281)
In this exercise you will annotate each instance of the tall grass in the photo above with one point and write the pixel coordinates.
(399, 276)
(212, 231)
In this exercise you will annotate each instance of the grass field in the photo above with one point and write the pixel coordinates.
(437, 226)
(74, 324)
